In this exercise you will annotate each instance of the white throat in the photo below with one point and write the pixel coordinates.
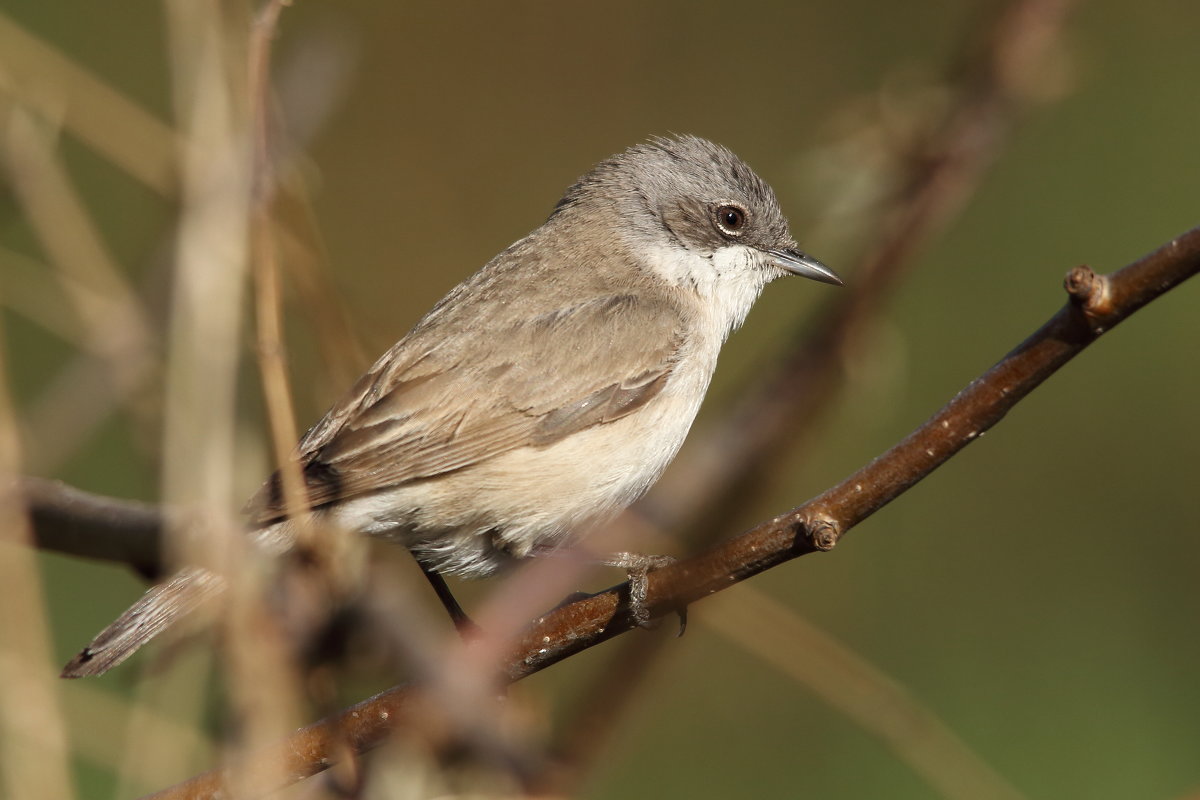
(728, 282)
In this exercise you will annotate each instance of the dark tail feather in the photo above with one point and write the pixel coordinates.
(163, 605)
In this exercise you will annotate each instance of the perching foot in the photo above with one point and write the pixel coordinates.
(639, 566)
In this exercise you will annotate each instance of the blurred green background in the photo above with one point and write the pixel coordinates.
(1039, 593)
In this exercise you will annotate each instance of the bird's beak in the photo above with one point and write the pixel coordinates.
(798, 263)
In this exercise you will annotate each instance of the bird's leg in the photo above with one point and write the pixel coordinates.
(638, 566)
(465, 626)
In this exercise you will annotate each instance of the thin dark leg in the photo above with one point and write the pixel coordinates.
(459, 617)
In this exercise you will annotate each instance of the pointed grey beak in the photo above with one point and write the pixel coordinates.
(798, 263)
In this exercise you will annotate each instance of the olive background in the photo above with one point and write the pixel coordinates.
(1038, 593)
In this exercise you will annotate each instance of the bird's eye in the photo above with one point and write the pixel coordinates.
(731, 220)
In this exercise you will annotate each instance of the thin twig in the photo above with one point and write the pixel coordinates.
(1096, 304)
(272, 355)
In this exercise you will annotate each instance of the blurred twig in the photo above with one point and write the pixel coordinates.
(43, 78)
(1096, 304)
(111, 316)
(272, 356)
(33, 741)
(209, 55)
(40, 80)
(67, 520)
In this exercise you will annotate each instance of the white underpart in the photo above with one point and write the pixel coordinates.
(540, 496)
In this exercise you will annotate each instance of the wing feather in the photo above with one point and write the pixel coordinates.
(425, 410)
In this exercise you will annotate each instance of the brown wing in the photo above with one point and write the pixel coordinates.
(431, 407)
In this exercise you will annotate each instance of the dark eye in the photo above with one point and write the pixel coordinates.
(730, 219)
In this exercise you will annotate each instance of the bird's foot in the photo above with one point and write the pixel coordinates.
(639, 566)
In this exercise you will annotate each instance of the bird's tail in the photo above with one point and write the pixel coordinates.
(163, 605)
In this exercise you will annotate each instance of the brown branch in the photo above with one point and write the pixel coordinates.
(1096, 304)
(67, 520)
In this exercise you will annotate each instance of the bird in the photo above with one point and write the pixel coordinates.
(543, 394)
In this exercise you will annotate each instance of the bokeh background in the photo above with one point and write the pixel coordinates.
(1039, 594)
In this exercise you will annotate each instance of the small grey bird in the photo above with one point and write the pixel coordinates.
(543, 394)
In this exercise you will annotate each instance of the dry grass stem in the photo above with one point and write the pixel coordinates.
(110, 316)
(208, 50)
(42, 78)
(33, 740)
